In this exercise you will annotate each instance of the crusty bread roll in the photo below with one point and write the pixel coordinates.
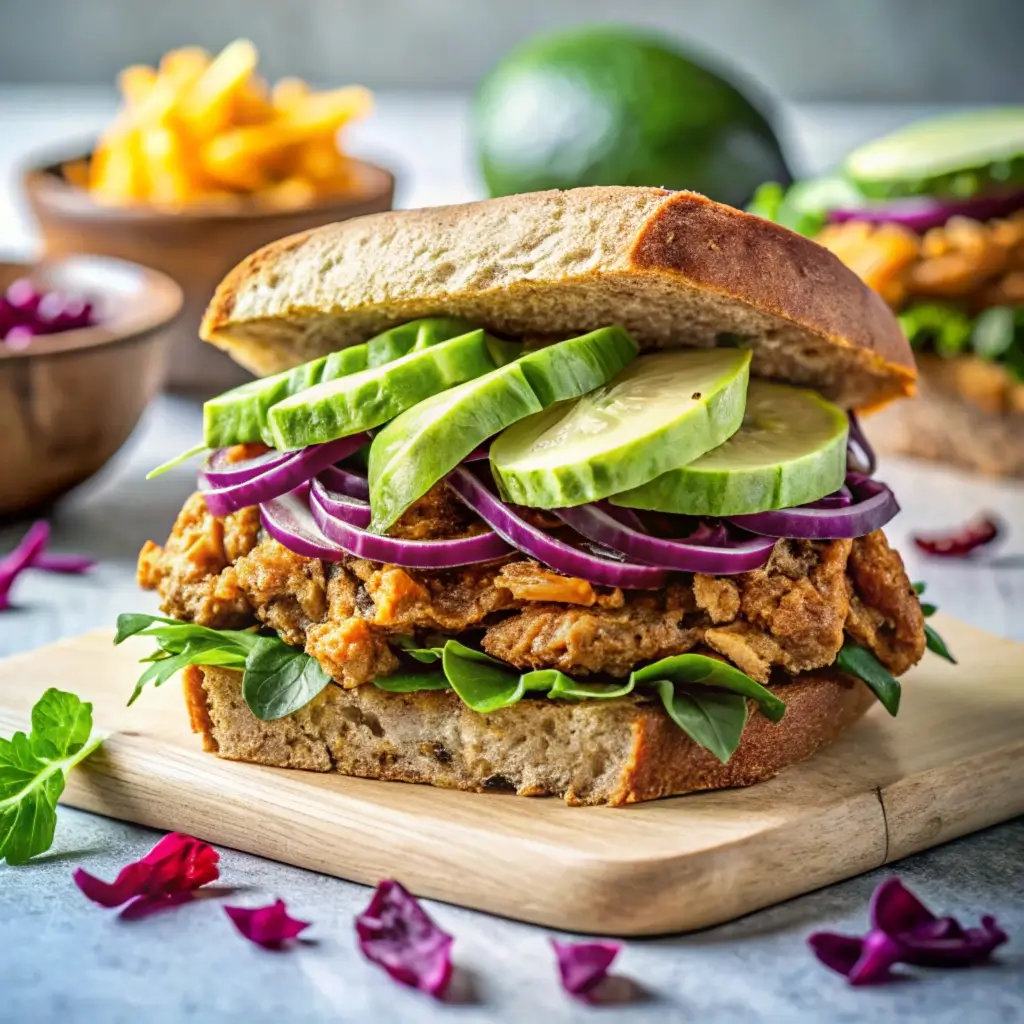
(967, 413)
(588, 752)
(674, 268)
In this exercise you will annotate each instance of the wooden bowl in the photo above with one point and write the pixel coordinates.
(69, 401)
(195, 247)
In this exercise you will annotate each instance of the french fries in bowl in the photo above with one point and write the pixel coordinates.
(205, 162)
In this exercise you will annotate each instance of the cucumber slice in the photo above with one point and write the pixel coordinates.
(790, 450)
(957, 155)
(240, 415)
(373, 396)
(426, 442)
(662, 411)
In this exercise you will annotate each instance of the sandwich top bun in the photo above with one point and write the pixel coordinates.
(674, 268)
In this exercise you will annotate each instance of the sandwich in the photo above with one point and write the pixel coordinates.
(559, 494)
(932, 218)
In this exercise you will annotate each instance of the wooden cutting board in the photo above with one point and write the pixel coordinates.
(951, 763)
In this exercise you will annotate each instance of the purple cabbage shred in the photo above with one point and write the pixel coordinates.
(582, 966)
(396, 933)
(904, 931)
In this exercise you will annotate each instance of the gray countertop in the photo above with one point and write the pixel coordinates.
(61, 958)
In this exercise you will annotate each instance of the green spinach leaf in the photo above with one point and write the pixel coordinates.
(687, 669)
(33, 769)
(482, 683)
(427, 655)
(558, 686)
(711, 718)
(860, 662)
(936, 644)
(412, 682)
(279, 679)
(180, 644)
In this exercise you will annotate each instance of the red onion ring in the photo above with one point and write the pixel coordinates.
(222, 473)
(859, 446)
(689, 555)
(874, 505)
(340, 505)
(346, 481)
(926, 212)
(281, 477)
(288, 521)
(410, 554)
(552, 552)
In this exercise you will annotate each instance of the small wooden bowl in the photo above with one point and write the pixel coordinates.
(69, 401)
(197, 247)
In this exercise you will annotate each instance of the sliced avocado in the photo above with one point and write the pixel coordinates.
(791, 449)
(661, 412)
(239, 416)
(426, 442)
(959, 155)
(377, 394)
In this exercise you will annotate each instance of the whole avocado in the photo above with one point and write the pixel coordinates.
(612, 106)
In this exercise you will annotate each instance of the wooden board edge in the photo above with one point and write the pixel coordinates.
(952, 800)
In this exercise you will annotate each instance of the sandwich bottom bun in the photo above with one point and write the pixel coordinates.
(613, 752)
(968, 413)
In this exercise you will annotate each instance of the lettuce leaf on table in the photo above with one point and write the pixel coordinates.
(33, 770)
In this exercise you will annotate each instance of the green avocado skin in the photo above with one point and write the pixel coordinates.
(428, 441)
(239, 416)
(614, 106)
(375, 395)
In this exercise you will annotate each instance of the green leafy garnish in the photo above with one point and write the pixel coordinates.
(936, 644)
(181, 644)
(933, 641)
(937, 326)
(804, 207)
(176, 461)
(705, 697)
(919, 587)
(412, 682)
(685, 669)
(995, 334)
(277, 678)
(712, 718)
(860, 662)
(425, 654)
(482, 683)
(33, 770)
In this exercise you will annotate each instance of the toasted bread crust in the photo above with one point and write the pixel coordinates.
(673, 268)
(592, 752)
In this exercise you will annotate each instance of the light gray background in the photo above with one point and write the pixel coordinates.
(876, 50)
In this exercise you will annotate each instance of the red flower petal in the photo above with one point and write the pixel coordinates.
(268, 926)
(13, 564)
(177, 865)
(74, 565)
(905, 931)
(839, 952)
(961, 542)
(946, 944)
(582, 966)
(895, 909)
(396, 933)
